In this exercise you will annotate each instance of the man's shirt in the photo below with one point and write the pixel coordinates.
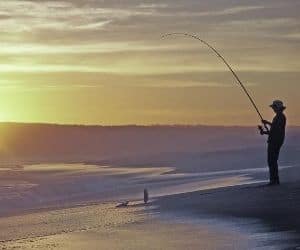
(277, 131)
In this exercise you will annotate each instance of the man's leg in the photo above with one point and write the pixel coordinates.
(276, 157)
(271, 163)
(273, 155)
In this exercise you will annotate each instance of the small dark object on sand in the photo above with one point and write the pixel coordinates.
(123, 204)
(146, 196)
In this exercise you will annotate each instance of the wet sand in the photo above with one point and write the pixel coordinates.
(154, 235)
(105, 227)
(44, 186)
(264, 209)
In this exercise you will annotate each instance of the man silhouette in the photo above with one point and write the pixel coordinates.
(276, 133)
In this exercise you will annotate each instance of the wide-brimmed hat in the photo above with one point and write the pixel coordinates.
(277, 104)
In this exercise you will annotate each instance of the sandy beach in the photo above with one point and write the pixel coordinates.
(209, 210)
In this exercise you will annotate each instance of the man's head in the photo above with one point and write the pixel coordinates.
(277, 106)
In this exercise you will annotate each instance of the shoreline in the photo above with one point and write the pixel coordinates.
(276, 209)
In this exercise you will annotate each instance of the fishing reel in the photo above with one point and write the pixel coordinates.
(261, 129)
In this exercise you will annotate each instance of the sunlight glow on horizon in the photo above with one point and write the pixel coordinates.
(89, 62)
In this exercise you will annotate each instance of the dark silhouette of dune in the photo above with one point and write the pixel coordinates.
(187, 147)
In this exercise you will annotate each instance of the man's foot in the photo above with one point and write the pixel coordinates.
(274, 183)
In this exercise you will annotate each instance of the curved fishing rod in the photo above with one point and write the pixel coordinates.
(227, 64)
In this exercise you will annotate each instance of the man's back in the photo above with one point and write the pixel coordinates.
(277, 131)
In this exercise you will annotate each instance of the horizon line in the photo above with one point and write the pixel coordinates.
(132, 125)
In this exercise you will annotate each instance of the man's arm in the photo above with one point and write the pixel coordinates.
(265, 122)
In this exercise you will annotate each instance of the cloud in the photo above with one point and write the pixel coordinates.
(13, 86)
(189, 84)
(152, 5)
(222, 12)
(266, 23)
(94, 26)
(101, 47)
(295, 36)
(19, 16)
(126, 36)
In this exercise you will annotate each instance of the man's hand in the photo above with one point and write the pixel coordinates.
(265, 122)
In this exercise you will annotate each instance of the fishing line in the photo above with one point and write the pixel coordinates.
(226, 63)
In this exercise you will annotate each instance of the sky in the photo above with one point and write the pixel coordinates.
(104, 62)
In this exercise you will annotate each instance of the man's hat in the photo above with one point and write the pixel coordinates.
(277, 104)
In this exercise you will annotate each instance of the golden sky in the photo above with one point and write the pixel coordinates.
(103, 62)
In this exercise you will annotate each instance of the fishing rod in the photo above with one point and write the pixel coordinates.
(227, 64)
